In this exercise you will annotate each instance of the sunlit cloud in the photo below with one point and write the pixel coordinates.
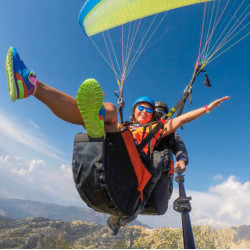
(224, 205)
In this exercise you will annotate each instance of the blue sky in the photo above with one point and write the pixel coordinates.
(36, 147)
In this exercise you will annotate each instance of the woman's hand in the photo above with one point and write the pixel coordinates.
(176, 122)
(217, 103)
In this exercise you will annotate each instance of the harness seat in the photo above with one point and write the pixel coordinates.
(112, 177)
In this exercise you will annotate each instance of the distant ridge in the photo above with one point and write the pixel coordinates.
(40, 233)
(19, 209)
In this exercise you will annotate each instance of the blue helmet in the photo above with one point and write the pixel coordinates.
(146, 99)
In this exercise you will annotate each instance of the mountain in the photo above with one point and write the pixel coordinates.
(45, 233)
(18, 209)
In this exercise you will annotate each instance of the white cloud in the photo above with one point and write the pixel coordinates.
(9, 162)
(4, 159)
(19, 133)
(37, 180)
(32, 123)
(35, 163)
(66, 171)
(224, 205)
(20, 172)
(218, 177)
(18, 165)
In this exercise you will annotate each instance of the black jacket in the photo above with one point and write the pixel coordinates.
(174, 142)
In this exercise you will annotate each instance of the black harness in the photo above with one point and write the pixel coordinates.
(112, 177)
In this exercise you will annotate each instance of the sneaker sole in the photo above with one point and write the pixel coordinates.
(10, 75)
(89, 101)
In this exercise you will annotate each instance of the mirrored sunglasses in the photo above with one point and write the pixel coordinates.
(161, 111)
(148, 110)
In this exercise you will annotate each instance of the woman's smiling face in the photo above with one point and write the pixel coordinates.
(142, 116)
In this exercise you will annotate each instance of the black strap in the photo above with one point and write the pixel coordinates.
(187, 92)
(180, 104)
(207, 81)
(144, 130)
(120, 102)
(150, 142)
(150, 136)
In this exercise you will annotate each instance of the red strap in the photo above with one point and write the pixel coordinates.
(142, 174)
(171, 165)
(163, 121)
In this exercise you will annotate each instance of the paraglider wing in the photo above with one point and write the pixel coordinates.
(123, 29)
(100, 15)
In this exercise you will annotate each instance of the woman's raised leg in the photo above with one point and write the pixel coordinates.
(23, 83)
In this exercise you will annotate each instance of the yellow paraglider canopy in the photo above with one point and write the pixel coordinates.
(100, 15)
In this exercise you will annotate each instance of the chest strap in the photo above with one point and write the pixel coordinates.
(150, 136)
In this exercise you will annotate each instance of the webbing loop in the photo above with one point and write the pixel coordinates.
(120, 101)
(187, 92)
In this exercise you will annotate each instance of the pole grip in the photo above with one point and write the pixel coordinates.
(183, 206)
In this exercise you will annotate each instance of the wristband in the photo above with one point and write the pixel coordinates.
(207, 109)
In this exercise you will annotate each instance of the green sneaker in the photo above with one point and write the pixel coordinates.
(22, 82)
(90, 104)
